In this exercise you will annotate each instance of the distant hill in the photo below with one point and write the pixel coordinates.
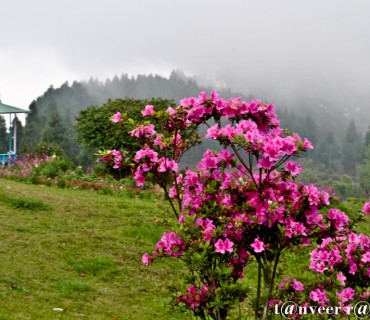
(70, 99)
(53, 114)
(336, 131)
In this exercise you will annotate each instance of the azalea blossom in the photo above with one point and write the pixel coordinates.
(346, 294)
(149, 110)
(171, 111)
(258, 246)
(293, 168)
(366, 208)
(341, 278)
(318, 295)
(146, 259)
(224, 246)
(116, 118)
(297, 285)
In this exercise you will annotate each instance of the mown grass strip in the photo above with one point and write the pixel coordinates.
(24, 203)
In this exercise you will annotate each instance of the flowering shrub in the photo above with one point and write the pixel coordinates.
(51, 170)
(342, 265)
(25, 167)
(240, 205)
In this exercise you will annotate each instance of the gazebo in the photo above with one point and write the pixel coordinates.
(5, 158)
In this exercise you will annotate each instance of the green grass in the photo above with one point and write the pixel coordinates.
(74, 288)
(80, 251)
(23, 203)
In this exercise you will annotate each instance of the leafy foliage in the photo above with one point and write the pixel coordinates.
(96, 130)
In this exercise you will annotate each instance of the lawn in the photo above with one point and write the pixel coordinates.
(76, 254)
(72, 254)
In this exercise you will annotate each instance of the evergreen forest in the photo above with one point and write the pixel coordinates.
(61, 121)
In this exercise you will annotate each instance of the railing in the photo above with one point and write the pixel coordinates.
(6, 158)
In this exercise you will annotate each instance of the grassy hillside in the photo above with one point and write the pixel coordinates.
(81, 252)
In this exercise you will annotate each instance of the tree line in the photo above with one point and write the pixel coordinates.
(73, 121)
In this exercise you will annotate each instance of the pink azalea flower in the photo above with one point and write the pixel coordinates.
(149, 110)
(313, 194)
(258, 245)
(166, 164)
(252, 137)
(208, 228)
(364, 295)
(352, 266)
(354, 238)
(346, 294)
(340, 218)
(170, 244)
(143, 153)
(341, 278)
(139, 177)
(213, 132)
(307, 144)
(146, 259)
(227, 201)
(366, 208)
(171, 111)
(289, 146)
(283, 284)
(223, 246)
(318, 266)
(366, 257)
(293, 168)
(313, 216)
(297, 285)
(117, 117)
(172, 193)
(182, 217)
(158, 140)
(117, 158)
(143, 131)
(194, 297)
(247, 126)
(209, 161)
(265, 163)
(318, 295)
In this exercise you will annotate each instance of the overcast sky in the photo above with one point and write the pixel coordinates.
(291, 48)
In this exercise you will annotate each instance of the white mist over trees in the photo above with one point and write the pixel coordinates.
(338, 140)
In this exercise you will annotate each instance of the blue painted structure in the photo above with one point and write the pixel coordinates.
(6, 158)
(10, 156)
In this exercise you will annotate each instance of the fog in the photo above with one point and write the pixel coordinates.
(283, 51)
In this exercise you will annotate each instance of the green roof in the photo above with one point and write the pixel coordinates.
(4, 108)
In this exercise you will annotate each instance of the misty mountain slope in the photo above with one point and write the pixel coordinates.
(70, 99)
(55, 111)
(334, 130)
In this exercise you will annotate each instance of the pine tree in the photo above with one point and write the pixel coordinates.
(3, 136)
(352, 146)
(367, 138)
(31, 131)
(363, 172)
(330, 152)
(55, 130)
